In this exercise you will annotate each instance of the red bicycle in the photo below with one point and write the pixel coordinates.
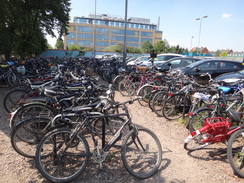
(216, 129)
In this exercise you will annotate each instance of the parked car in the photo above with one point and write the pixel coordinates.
(160, 59)
(176, 63)
(138, 60)
(231, 77)
(215, 67)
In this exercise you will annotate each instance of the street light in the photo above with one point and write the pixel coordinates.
(200, 30)
(191, 43)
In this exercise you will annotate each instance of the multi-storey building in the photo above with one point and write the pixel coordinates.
(105, 30)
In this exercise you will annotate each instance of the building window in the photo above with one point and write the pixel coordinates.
(146, 34)
(82, 20)
(117, 31)
(102, 43)
(132, 39)
(101, 37)
(70, 41)
(74, 28)
(71, 35)
(84, 29)
(102, 30)
(84, 36)
(130, 32)
(84, 43)
(117, 38)
(145, 39)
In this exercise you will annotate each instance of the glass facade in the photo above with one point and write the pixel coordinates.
(85, 36)
(111, 31)
(84, 43)
(84, 29)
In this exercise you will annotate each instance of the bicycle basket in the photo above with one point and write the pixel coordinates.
(215, 120)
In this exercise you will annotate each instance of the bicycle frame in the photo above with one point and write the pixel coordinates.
(215, 129)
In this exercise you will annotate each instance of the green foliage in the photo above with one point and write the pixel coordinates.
(160, 47)
(49, 46)
(224, 54)
(146, 47)
(59, 44)
(119, 48)
(24, 24)
(217, 53)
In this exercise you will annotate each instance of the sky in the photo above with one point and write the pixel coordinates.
(222, 29)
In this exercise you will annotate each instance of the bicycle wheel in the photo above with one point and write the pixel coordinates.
(193, 143)
(123, 85)
(27, 134)
(197, 120)
(145, 92)
(116, 81)
(158, 101)
(235, 152)
(31, 110)
(62, 156)
(12, 99)
(141, 153)
(12, 80)
(175, 106)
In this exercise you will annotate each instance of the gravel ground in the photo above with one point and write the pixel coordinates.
(178, 166)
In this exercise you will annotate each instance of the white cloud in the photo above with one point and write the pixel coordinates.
(226, 15)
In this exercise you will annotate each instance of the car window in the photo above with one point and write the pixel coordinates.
(208, 66)
(174, 62)
(188, 61)
(161, 57)
(228, 65)
(145, 58)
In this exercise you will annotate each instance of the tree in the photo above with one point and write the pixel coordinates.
(217, 53)
(59, 43)
(160, 47)
(23, 25)
(146, 47)
(224, 54)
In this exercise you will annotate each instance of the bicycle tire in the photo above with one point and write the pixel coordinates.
(116, 80)
(145, 92)
(27, 134)
(197, 120)
(12, 98)
(235, 152)
(157, 102)
(193, 143)
(140, 165)
(13, 80)
(123, 88)
(175, 106)
(31, 110)
(57, 164)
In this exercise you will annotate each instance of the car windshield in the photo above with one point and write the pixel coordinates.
(194, 64)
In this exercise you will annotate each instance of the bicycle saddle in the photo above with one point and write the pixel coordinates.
(235, 116)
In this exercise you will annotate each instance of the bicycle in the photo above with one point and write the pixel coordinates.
(62, 154)
(235, 152)
(216, 129)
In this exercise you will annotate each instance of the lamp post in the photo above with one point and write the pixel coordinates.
(191, 43)
(125, 33)
(94, 32)
(200, 30)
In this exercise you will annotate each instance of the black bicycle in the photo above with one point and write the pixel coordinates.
(63, 153)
